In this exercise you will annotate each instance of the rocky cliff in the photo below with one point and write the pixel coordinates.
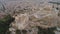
(28, 17)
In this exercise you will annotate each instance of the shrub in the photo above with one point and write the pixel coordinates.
(46, 31)
(4, 23)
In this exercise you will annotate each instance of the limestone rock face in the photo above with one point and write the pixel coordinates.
(21, 21)
(45, 17)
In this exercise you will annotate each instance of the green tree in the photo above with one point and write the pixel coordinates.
(4, 23)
